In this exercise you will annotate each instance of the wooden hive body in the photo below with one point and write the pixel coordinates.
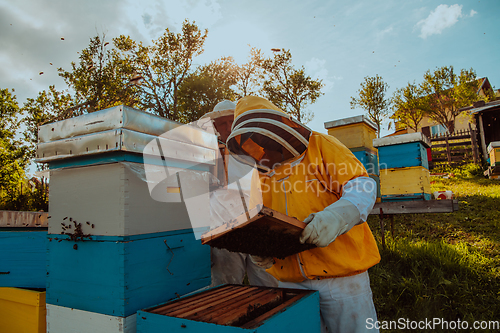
(69, 320)
(353, 132)
(23, 262)
(369, 158)
(404, 155)
(113, 198)
(403, 151)
(22, 310)
(405, 184)
(494, 153)
(232, 308)
(119, 275)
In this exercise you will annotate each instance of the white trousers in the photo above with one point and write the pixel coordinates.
(230, 267)
(345, 303)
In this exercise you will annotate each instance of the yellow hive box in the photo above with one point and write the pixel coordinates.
(494, 152)
(22, 310)
(353, 132)
(411, 183)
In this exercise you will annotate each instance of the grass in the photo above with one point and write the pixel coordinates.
(443, 265)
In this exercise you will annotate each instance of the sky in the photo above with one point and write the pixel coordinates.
(339, 42)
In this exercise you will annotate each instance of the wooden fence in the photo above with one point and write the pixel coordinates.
(457, 148)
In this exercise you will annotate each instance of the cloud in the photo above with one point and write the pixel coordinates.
(316, 68)
(472, 12)
(442, 17)
(382, 33)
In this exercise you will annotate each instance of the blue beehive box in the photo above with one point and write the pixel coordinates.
(403, 151)
(23, 249)
(368, 158)
(119, 275)
(235, 308)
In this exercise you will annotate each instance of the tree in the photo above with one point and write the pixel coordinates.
(448, 92)
(372, 99)
(204, 88)
(164, 66)
(50, 105)
(288, 88)
(250, 74)
(12, 153)
(100, 80)
(410, 105)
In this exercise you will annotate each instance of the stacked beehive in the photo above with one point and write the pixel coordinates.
(112, 249)
(404, 167)
(494, 155)
(357, 134)
(22, 271)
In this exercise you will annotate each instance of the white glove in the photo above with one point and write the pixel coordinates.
(263, 262)
(325, 226)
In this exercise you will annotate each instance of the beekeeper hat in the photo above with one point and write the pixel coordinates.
(224, 108)
(259, 127)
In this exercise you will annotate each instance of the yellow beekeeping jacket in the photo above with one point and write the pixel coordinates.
(309, 177)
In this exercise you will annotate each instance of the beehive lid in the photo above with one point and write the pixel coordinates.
(268, 234)
(125, 129)
(493, 145)
(403, 138)
(350, 121)
(231, 305)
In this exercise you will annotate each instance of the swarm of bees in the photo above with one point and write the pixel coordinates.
(76, 234)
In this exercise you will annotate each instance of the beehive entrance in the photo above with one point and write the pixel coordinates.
(231, 305)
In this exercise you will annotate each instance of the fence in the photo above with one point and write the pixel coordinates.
(457, 148)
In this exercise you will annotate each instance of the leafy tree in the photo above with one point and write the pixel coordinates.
(12, 153)
(204, 88)
(50, 105)
(372, 99)
(448, 92)
(410, 105)
(249, 75)
(164, 66)
(101, 79)
(288, 88)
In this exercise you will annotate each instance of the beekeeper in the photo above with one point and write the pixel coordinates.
(315, 178)
(230, 267)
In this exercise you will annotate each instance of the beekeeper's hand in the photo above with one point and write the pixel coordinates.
(264, 262)
(325, 226)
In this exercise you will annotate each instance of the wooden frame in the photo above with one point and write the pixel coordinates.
(268, 233)
(241, 306)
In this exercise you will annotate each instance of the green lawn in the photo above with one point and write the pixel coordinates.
(443, 265)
